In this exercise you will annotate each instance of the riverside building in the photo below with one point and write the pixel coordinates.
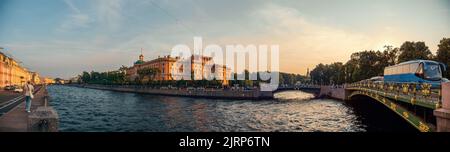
(164, 66)
(12, 73)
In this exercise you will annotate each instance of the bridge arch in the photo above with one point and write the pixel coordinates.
(404, 113)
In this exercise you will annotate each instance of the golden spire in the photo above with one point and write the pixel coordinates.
(141, 57)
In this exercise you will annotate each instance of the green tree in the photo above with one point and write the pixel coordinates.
(414, 51)
(86, 77)
(390, 56)
(443, 54)
(95, 77)
(318, 74)
(362, 65)
(149, 73)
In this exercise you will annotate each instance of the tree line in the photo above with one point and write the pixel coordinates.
(145, 76)
(118, 77)
(369, 63)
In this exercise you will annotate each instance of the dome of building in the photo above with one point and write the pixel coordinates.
(139, 62)
(141, 59)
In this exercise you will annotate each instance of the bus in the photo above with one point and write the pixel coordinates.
(416, 71)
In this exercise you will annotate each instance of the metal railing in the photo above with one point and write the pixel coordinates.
(422, 94)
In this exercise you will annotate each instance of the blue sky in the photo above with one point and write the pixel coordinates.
(62, 38)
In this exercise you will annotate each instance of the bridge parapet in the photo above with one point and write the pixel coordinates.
(421, 94)
(443, 114)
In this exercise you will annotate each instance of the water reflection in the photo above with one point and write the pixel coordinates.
(98, 110)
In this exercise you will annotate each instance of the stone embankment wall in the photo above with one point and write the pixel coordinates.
(206, 93)
(333, 92)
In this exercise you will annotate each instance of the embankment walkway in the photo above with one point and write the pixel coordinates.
(18, 120)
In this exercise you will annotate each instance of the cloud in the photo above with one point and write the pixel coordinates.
(75, 20)
(63, 58)
(303, 42)
(72, 6)
(109, 13)
(112, 31)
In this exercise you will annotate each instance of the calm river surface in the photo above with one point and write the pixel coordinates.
(91, 110)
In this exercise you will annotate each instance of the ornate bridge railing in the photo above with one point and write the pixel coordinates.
(420, 94)
(390, 94)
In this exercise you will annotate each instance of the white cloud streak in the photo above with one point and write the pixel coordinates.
(75, 20)
(109, 13)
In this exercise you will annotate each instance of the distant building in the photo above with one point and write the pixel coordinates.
(35, 79)
(76, 79)
(165, 64)
(11, 72)
(60, 81)
(48, 81)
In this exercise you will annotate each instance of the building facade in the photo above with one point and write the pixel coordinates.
(48, 80)
(12, 73)
(35, 79)
(164, 66)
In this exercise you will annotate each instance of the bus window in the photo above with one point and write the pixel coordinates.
(411, 68)
(432, 71)
(407, 68)
(419, 71)
(414, 67)
(403, 69)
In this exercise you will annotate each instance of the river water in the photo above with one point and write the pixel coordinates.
(90, 110)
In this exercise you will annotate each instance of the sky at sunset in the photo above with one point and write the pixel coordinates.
(62, 38)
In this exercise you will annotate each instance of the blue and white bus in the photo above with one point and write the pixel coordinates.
(416, 71)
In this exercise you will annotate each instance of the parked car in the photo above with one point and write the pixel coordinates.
(9, 88)
(18, 89)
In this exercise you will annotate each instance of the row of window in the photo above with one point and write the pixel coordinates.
(402, 69)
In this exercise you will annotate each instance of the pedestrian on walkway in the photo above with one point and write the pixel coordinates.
(28, 90)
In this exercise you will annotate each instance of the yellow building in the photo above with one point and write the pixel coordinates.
(35, 79)
(48, 80)
(11, 72)
(165, 64)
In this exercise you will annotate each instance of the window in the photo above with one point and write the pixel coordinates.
(399, 70)
(432, 71)
(413, 68)
(407, 68)
(420, 69)
(404, 69)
